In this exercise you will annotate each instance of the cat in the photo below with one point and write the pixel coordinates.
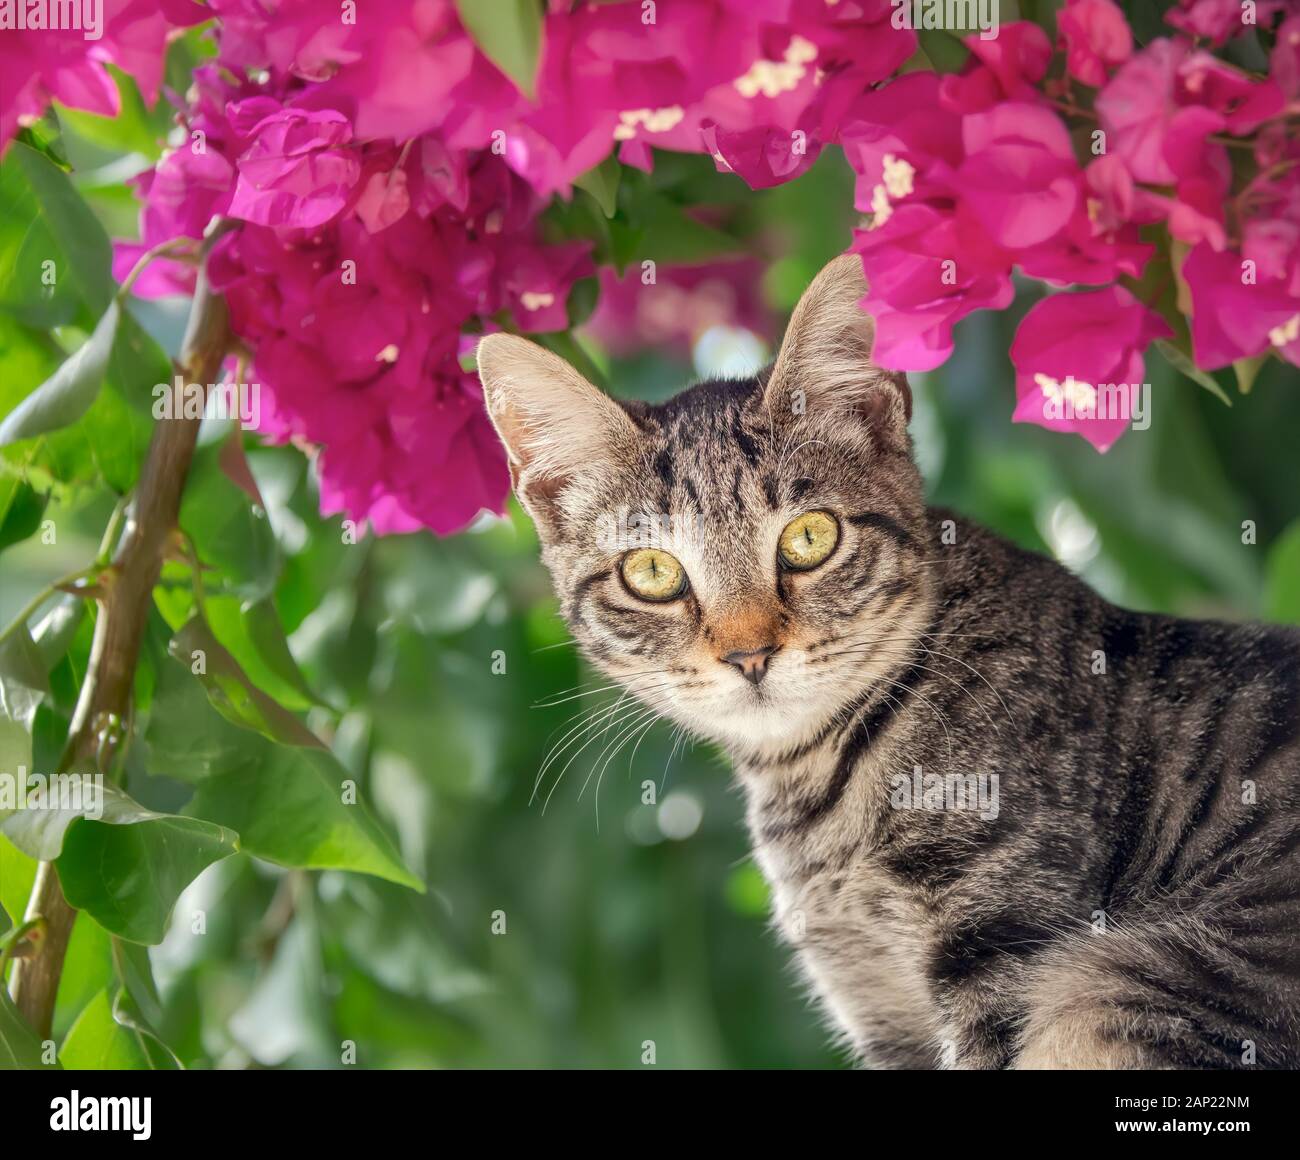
(1006, 824)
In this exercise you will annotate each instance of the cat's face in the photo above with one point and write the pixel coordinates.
(746, 558)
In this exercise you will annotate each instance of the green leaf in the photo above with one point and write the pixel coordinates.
(943, 48)
(128, 876)
(48, 234)
(109, 440)
(1182, 362)
(292, 811)
(1247, 371)
(20, 1050)
(21, 509)
(567, 347)
(57, 629)
(88, 964)
(1282, 578)
(231, 534)
(62, 399)
(187, 738)
(671, 236)
(23, 683)
(133, 969)
(602, 183)
(87, 970)
(127, 1014)
(270, 779)
(129, 131)
(234, 696)
(17, 873)
(510, 34)
(254, 636)
(42, 829)
(98, 1042)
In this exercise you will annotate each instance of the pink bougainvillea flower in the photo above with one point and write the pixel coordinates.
(1204, 177)
(1269, 210)
(298, 170)
(385, 198)
(762, 156)
(927, 268)
(901, 123)
(1020, 176)
(534, 282)
(1086, 253)
(1167, 82)
(1097, 38)
(40, 65)
(1220, 20)
(1136, 107)
(1237, 314)
(452, 466)
(356, 323)
(1284, 63)
(1079, 362)
(1114, 200)
(1008, 67)
(1243, 102)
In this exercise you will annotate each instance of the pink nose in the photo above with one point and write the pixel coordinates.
(752, 664)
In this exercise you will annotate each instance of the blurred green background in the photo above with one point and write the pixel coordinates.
(571, 936)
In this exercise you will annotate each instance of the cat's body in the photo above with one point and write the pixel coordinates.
(1113, 876)
(1126, 906)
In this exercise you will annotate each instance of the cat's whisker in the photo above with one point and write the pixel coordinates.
(780, 471)
(679, 737)
(610, 722)
(588, 721)
(904, 658)
(942, 717)
(643, 723)
(631, 757)
(625, 726)
(982, 677)
(558, 644)
(622, 682)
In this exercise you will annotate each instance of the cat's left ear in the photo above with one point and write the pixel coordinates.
(825, 367)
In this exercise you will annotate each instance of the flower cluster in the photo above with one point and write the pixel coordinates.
(356, 270)
(386, 176)
(46, 61)
(1059, 174)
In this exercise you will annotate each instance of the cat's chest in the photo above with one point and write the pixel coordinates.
(864, 942)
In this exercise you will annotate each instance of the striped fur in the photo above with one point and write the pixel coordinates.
(1134, 900)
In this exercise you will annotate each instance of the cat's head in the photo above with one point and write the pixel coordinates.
(746, 557)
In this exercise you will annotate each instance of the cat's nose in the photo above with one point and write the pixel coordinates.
(752, 664)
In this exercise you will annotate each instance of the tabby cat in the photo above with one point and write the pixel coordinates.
(1006, 824)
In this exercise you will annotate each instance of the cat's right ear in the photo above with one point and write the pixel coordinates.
(561, 434)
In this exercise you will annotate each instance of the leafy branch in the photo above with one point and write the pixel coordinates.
(125, 593)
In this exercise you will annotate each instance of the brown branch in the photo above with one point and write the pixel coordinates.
(125, 596)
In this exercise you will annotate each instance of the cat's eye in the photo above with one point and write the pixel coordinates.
(808, 540)
(653, 574)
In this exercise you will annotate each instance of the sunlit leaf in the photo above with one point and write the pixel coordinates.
(20, 1050)
(98, 1042)
(55, 258)
(128, 876)
(62, 399)
(510, 34)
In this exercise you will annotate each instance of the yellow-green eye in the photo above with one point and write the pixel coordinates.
(653, 574)
(808, 540)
